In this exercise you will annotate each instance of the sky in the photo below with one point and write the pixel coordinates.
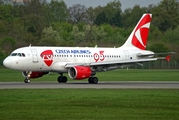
(125, 3)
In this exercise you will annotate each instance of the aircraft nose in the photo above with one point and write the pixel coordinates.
(7, 62)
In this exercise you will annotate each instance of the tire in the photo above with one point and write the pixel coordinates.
(95, 80)
(90, 80)
(59, 79)
(64, 79)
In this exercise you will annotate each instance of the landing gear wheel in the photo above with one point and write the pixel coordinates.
(62, 79)
(27, 80)
(90, 80)
(93, 80)
(59, 79)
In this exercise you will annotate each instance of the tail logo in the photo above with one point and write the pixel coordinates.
(47, 57)
(141, 33)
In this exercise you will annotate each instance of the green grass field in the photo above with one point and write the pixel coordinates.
(89, 104)
(7, 75)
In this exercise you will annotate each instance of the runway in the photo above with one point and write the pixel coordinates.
(85, 85)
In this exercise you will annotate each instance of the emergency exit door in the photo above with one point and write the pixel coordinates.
(34, 56)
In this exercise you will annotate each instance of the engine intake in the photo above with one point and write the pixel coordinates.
(80, 72)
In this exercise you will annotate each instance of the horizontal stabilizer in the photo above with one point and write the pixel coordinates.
(167, 58)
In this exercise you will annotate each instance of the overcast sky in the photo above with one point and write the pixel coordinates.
(125, 3)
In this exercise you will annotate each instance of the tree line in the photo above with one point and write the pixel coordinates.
(39, 22)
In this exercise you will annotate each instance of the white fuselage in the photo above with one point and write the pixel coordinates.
(55, 58)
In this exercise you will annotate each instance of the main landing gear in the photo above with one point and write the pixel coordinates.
(93, 80)
(62, 79)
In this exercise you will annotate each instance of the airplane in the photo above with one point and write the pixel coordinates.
(82, 62)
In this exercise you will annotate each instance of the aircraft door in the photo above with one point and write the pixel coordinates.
(34, 56)
(126, 54)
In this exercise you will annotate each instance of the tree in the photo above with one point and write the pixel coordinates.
(159, 48)
(64, 30)
(56, 11)
(166, 15)
(7, 44)
(101, 19)
(78, 13)
(110, 14)
(132, 16)
(34, 7)
(79, 36)
(50, 37)
(34, 24)
(116, 20)
(91, 15)
(4, 28)
(6, 13)
(155, 34)
(112, 8)
(32, 16)
(172, 36)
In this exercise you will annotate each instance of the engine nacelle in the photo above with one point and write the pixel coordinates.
(31, 74)
(80, 72)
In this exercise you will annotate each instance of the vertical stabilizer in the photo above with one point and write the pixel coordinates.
(138, 37)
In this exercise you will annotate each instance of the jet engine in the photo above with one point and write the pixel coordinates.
(80, 72)
(31, 74)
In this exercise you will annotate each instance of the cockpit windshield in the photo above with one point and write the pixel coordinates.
(18, 54)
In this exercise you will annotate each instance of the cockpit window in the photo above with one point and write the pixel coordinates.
(18, 54)
(13, 54)
(23, 54)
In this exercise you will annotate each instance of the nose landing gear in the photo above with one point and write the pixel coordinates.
(27, 80)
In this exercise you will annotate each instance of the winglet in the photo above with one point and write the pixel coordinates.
(167, 58)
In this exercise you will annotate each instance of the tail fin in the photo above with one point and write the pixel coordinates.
(138, 37)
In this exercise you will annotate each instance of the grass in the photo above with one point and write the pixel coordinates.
(89, 104)
(92, 104)
(7, 75)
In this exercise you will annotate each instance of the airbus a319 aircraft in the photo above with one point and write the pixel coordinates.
(82, 62)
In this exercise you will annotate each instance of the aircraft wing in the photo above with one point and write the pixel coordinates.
(157, 55)
(68, 65)
(154, 54)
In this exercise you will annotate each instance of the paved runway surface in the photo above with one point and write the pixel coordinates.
(83, 85)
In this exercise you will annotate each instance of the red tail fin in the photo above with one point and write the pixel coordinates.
(141, 32)
(138, 37)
